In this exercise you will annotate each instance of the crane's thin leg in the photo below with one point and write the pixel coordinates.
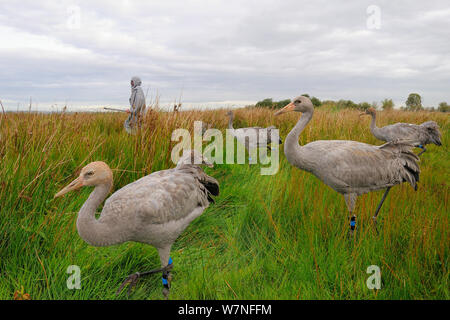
(423, 149)
(167, 279)
(132, 279)
(350, 200)
(166, 260)
(379, 207)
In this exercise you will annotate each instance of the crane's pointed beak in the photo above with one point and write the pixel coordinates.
(287, 108)
(74, 185)
(363, 114)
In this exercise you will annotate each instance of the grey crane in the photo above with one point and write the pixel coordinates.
(154, 209)
(420, 135)
(263, 136)
(349, 167)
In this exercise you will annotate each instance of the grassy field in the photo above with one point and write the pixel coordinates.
(267, 237)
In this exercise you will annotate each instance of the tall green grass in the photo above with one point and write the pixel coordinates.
(266, 237)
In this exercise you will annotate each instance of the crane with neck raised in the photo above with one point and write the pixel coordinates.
(349, 167)
(153, 210)
(420, 135)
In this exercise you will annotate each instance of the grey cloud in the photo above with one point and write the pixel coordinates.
(224, 50)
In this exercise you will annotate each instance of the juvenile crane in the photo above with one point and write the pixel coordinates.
(349, 167)
(262, 137)
(420, 135)
(153, 210)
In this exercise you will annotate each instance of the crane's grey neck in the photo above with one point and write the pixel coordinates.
(292, 149)
(93, 231)
(230, 122)
(373, 124)
(374, 129)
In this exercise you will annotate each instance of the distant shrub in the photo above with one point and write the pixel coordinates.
(364, 106)
(316, 102)
(387, 104)
(266, 103)
(282, 103)
(346, 104)
(329, 103)
(444, 107)
(414, 102)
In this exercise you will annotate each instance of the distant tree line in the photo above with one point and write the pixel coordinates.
(269, 103)
(413, 103)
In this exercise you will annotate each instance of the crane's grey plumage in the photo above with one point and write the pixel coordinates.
(262, 136)
(420, 135)
(153, 210)
(351, 168)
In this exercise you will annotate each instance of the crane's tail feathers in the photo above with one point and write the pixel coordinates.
(411, 175)
(412, 171)
(212, 187)
(403, 150)
(433, 132)
(208, 185)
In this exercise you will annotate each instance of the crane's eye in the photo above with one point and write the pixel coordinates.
(89, 173)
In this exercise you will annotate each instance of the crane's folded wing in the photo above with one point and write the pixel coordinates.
(160, 197)
(350, 166)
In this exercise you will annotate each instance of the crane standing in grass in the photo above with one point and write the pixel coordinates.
(153, 210)
(420, 135)
(351, 168)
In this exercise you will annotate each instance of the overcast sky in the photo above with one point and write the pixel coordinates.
(84, 53)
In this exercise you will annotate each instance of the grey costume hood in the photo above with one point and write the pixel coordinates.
(136, 81)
